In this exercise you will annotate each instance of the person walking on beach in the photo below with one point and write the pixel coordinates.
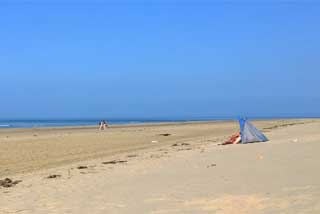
(101, 125)
(105, 125)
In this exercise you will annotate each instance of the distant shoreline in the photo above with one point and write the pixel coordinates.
(94, 123)
(140, 124)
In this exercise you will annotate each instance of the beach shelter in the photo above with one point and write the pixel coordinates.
(249, 133)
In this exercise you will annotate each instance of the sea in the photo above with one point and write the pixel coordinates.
(38, 123)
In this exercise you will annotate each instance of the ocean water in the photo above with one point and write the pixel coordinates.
(38, 123)
(31, 123)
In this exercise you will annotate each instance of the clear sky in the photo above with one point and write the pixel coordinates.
(95, 58)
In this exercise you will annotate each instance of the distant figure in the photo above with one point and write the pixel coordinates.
(105, 125)
(101, 125)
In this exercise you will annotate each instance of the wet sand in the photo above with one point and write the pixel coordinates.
(137, 169)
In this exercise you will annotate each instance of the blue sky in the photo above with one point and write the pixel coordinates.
(63, 59)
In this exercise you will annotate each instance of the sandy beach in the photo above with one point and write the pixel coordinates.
(162, 168)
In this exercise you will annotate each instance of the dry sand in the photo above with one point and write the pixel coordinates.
(185, 172)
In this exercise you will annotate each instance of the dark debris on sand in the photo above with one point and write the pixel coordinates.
(53, 176)
(82, 167)
(7, 182)
(115, 162)
(165, 135)
(180, 144)
(186, 149)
